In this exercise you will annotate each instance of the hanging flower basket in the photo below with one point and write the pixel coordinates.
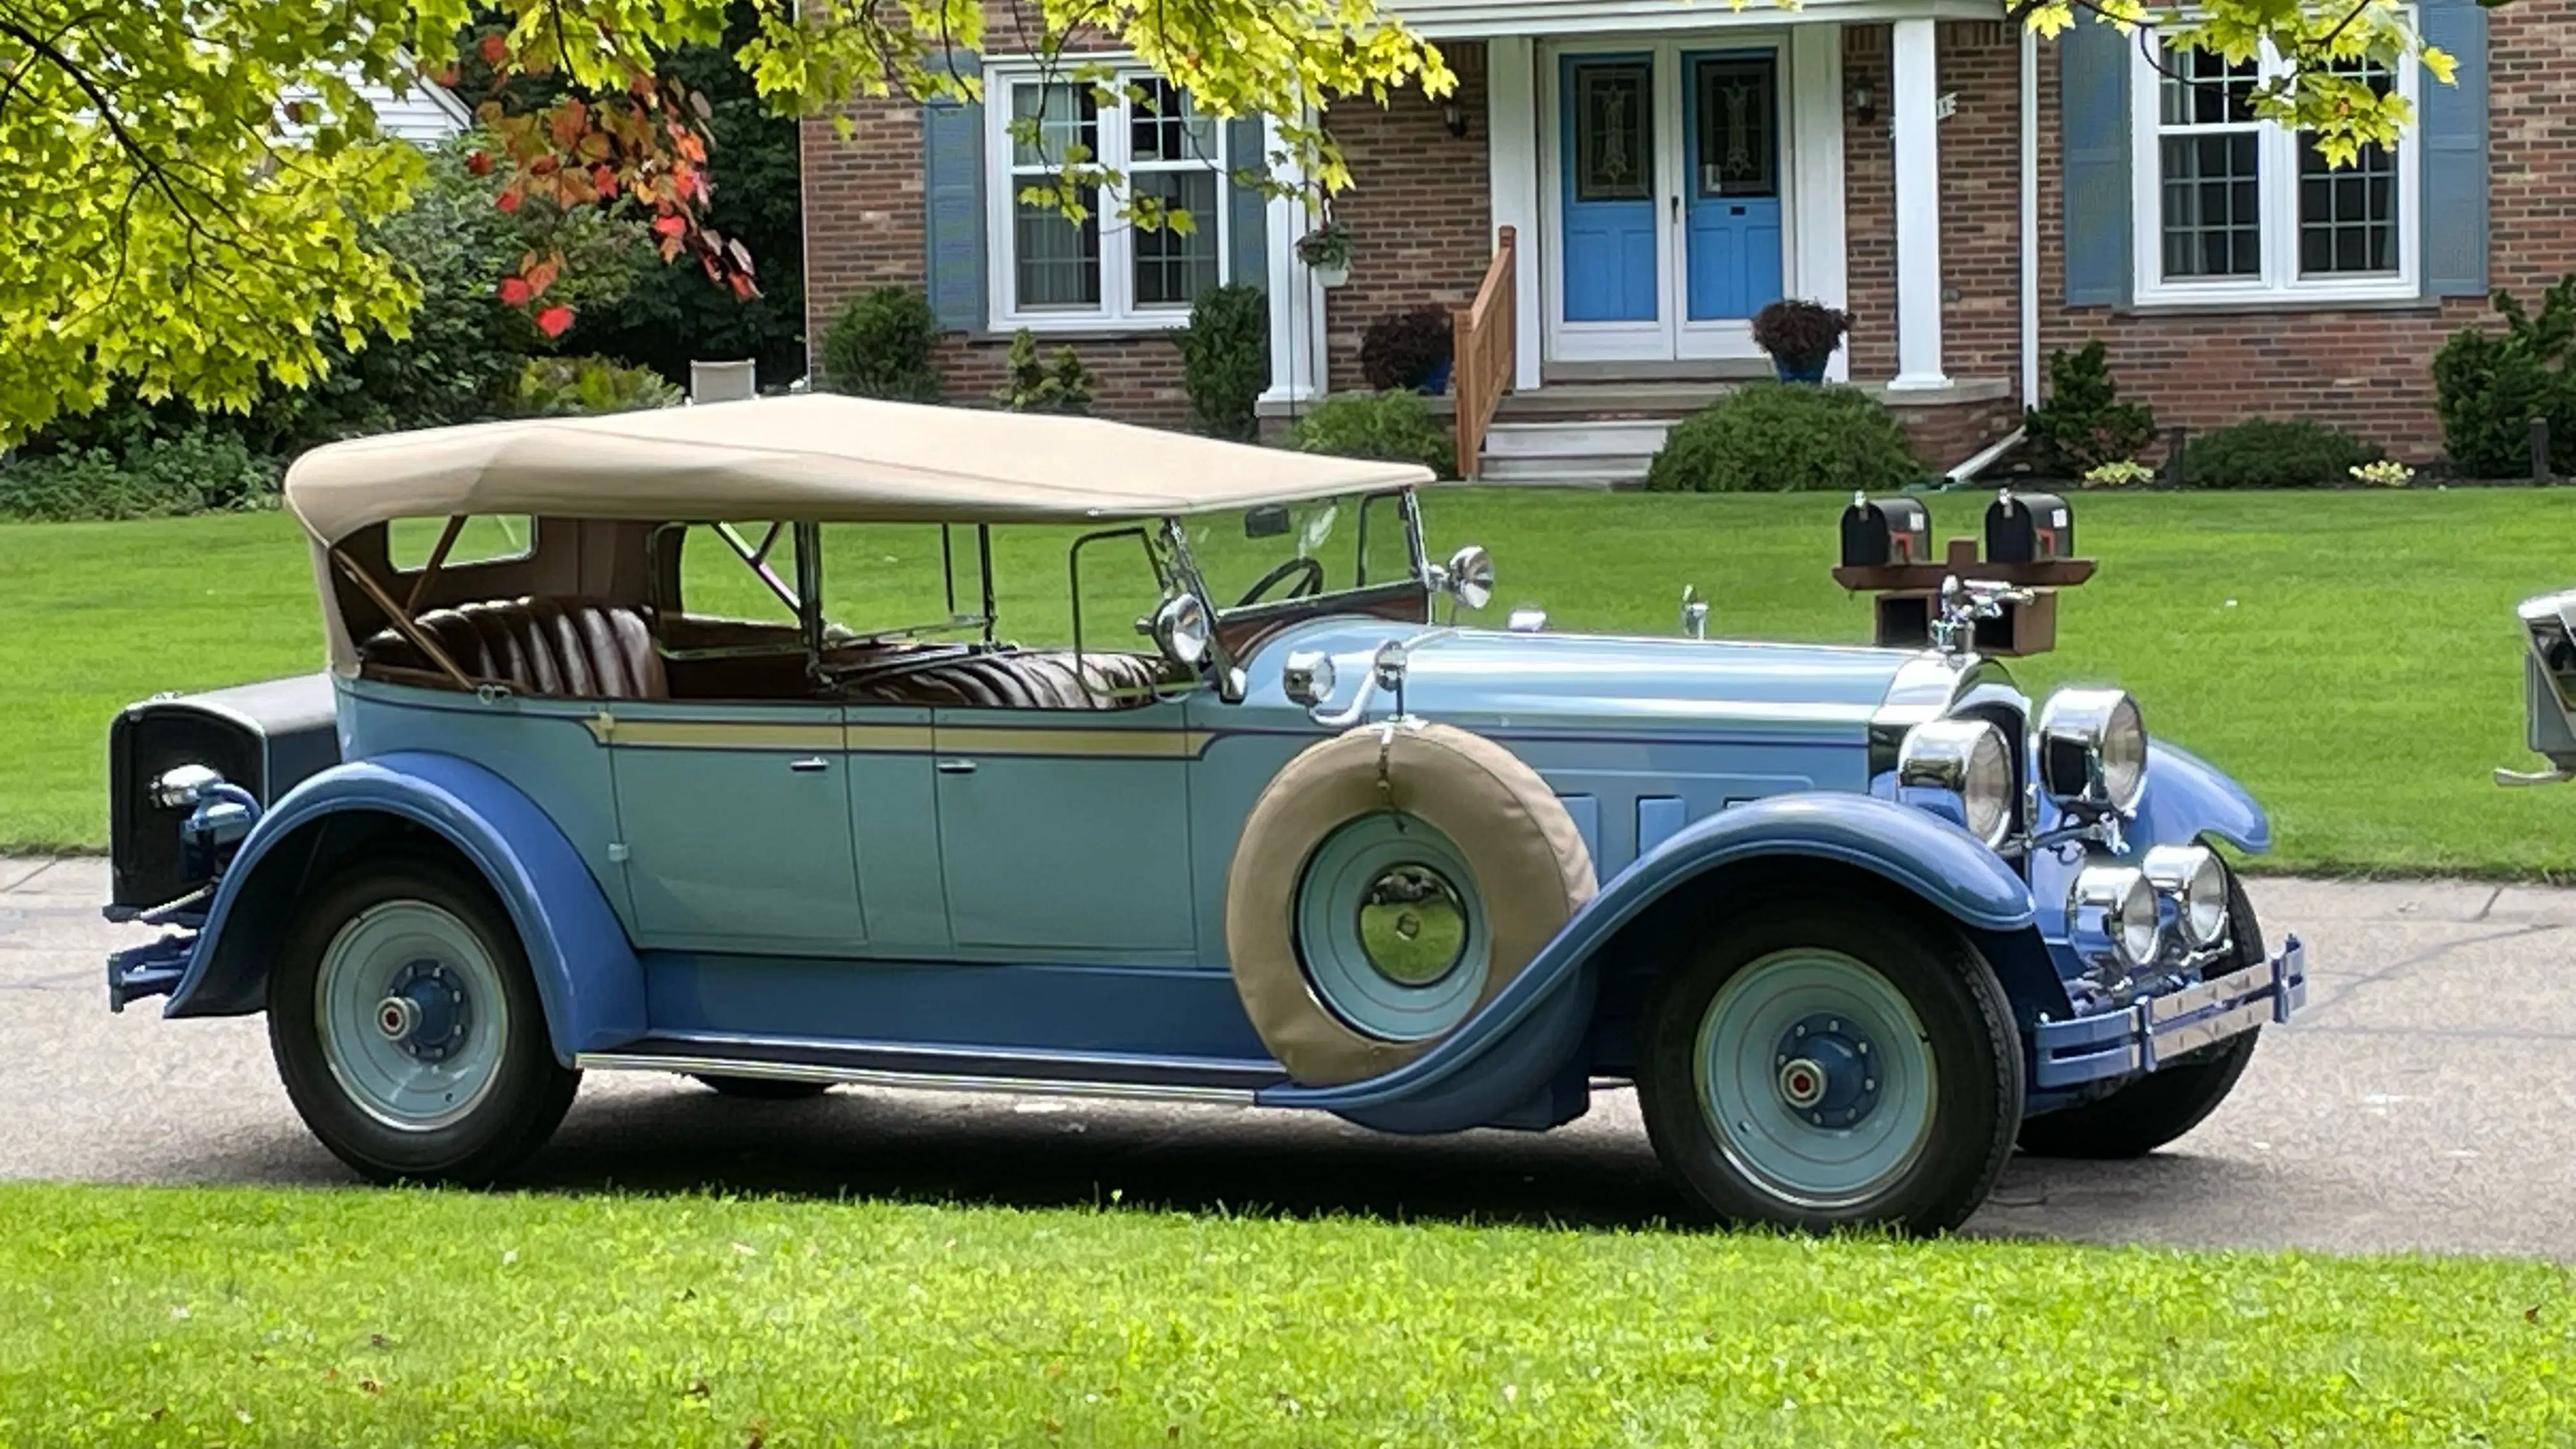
(1326, 251)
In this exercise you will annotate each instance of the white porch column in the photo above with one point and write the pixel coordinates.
(1296, 302)
(1915, 119)
(1511, 137)
(1819, 267)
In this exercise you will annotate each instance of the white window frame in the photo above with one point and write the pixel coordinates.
(1118, 309)
(2278, 201)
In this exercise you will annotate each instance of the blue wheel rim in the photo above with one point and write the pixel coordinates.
(1815, 1078)
(412, 1016)
(1339, 969)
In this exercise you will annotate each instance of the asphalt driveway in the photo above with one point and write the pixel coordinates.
(2427, 1101)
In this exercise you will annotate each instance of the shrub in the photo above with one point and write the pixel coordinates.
(1783, 437)
(554, 387)
(1029, 386)
(1392, 427)
(1403, 349)
(2271, 453)
(2083, 424)
(196, 471)
(881, 345)
(1225, 359)
(1799, 336)
(2488, 387)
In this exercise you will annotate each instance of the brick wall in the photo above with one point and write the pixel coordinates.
(2365, 370)
(1419, 209)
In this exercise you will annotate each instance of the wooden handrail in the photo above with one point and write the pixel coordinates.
(1481, 354)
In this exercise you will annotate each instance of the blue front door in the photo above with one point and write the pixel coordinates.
(1731, 170)
(1612, 270)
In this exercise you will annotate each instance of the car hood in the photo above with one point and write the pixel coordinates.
(1492, 679)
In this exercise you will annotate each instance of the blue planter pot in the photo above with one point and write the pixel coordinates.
(1805, 374)
(1436, 381)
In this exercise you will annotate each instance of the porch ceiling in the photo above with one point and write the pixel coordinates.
(1458, 19)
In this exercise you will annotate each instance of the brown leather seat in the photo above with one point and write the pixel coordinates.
(1021, 680)
(574, 647)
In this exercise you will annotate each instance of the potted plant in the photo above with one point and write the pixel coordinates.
(1800, 336)
(1404, 350)
(1326, 251)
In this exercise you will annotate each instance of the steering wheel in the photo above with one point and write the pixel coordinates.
(1310, 581)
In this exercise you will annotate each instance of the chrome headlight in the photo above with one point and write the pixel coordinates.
(2113, 906)
(2191, 877)
(2092, 750)
(179, 787)
(1968, 758)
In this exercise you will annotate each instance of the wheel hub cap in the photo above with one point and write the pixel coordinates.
(427, 1013)
(1826, 1075)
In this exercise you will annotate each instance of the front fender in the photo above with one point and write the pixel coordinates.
(586, 972)
(2186, 797)
(1920, 854)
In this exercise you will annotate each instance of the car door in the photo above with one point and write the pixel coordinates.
(1067, 830)
(735, 821)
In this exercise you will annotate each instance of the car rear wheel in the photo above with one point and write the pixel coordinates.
(1816, 1066)
(2163, 1105)
(407, 1027)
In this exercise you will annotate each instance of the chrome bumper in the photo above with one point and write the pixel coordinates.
(2153, 1031)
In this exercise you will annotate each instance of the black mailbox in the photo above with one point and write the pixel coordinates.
(2023, 528)
(1882, 531)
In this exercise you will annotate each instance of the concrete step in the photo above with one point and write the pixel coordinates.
(1575, 438)
(1612, 400)
(1575, 470)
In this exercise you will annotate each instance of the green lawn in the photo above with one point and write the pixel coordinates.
(244, 1317)
(2350, 656)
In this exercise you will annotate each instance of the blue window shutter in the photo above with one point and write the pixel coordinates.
(952, 164)
(2093, 115)
(2454, 145)
(1248, 209)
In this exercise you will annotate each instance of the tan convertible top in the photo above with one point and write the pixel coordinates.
(817, 458)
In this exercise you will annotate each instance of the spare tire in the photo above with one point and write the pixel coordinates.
(1388, 883)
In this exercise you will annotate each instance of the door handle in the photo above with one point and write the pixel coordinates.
(810, 765)
(1677, 209)
(954, 766)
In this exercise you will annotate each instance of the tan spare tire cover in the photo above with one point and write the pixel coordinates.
(1377, 785)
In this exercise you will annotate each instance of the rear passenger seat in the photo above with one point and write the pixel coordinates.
(576, 647)
(1030, 679)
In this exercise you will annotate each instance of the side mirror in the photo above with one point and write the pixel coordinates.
(1265, 520)
(1180, 630)
(1470, 577)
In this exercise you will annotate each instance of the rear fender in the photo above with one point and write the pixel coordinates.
(1549, 1004)
(586, 972)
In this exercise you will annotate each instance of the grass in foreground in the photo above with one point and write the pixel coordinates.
(264, 1317)
(2351, 657)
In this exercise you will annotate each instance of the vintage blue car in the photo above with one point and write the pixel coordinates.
(692, 741)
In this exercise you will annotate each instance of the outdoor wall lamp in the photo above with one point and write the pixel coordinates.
(1454, 116)
(1864, 105)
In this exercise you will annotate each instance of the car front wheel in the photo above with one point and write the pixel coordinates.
(407, 1027)
(1821, 1065)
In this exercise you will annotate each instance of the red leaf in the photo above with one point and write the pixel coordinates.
(604, 180)
(495, 46)
(543, 274)
(479, 163)
(515, 291)
(508, 200)
(669, 225)
(554, 320)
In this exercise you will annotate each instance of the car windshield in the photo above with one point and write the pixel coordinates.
(1276, 552)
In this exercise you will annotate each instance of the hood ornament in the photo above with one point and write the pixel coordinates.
(1962, 604)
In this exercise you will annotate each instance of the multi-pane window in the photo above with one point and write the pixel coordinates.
(1103, 269)
(2231, 206)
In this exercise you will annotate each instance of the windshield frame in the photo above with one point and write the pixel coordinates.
(1223, 667)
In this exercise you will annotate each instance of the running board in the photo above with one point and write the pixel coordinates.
(946, 1069)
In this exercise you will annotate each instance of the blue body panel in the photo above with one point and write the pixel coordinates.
(585, 971)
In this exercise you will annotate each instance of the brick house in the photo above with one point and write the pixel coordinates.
(1975, 198)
